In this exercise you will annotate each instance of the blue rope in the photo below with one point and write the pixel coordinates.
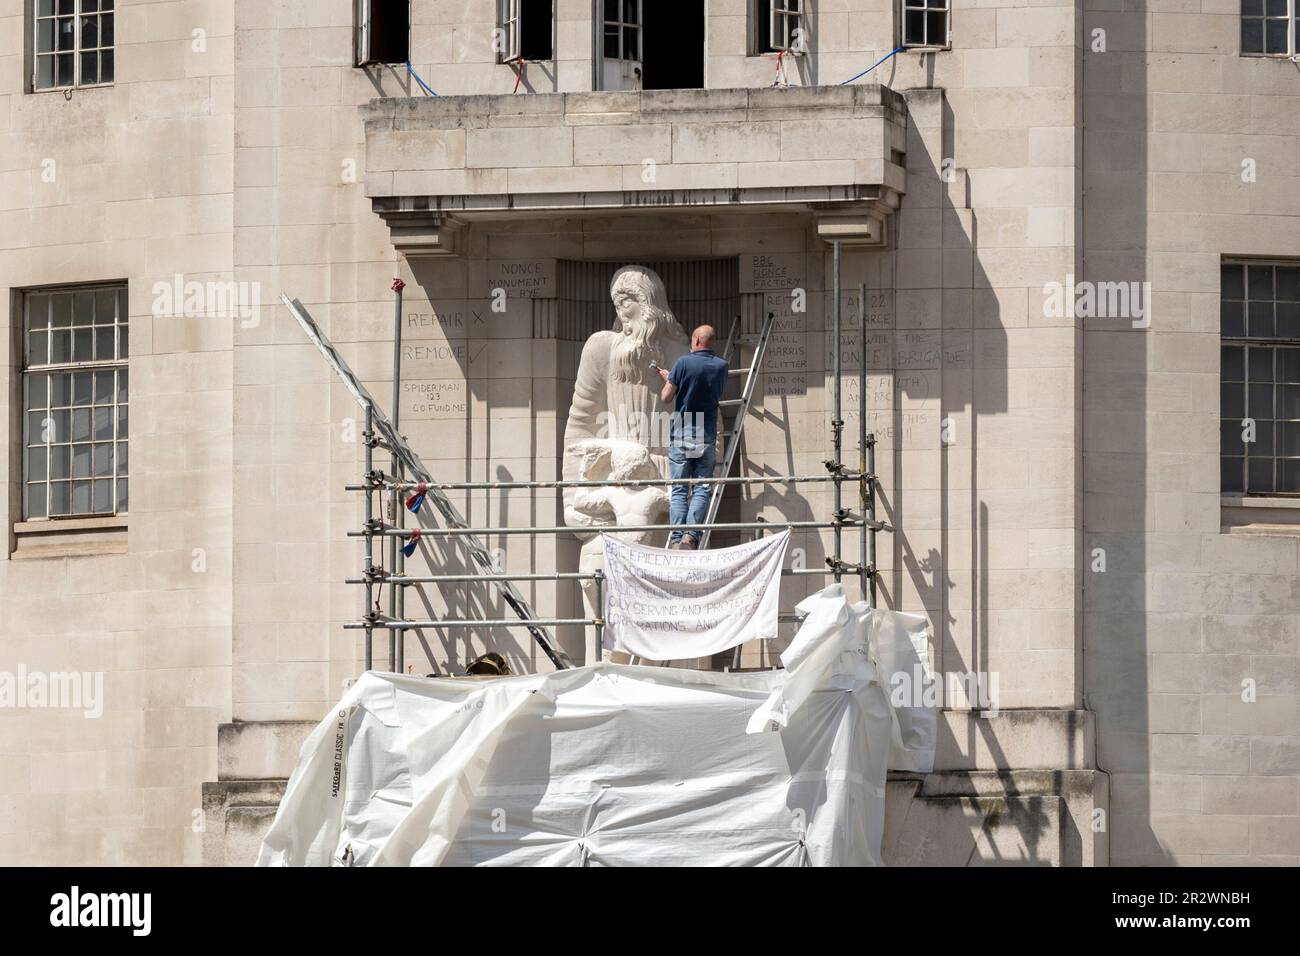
(423, 85)
(872, 66)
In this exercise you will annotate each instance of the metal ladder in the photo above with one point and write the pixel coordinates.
(415, 468)
(732, 435)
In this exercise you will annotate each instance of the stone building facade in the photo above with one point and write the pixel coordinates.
(1051, 466)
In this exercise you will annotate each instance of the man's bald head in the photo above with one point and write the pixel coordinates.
(702, 338)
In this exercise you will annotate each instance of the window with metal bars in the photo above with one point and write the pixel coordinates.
(72, 43)
(1259, 400)
(926, 23)
(1270, 27)
(74, 385)
(779, 26)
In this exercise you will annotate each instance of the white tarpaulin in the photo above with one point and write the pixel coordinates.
(610, 765)
(666, 605)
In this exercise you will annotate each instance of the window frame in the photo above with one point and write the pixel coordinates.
(786, 19)
(119, 407)
(925, 7)
(510, 19)
(1274, 344)
(622, 26)
(1292, 19)
(362, 36)
(35, 55)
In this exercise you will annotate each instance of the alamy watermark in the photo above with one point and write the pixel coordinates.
(56, 690)
(194, 299)
(1098, 300)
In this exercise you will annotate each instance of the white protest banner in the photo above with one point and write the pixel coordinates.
(669, 605)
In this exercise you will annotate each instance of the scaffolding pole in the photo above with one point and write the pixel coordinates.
(397, 560)
(837, 419)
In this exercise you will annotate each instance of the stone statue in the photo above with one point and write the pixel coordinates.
(618, 427)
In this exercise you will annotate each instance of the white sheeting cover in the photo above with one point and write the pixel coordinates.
(613, 765)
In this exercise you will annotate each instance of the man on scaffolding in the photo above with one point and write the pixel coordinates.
(697, 381)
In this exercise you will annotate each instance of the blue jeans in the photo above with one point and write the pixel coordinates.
(690, 503)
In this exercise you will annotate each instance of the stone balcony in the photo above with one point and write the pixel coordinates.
(435, 164)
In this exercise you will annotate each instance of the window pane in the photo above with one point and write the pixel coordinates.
(1260, 324)
(80, 424)
(936, 28)
(1288, 283)
(1288, 320)
(61, 461)
(121, 421)
(1263, 443)
(63, 64)
(1288, 403)
(1252, 36)
(65, 34)
(1259, 401)
(102, 496)
(103, 424)
(1275, 8)
(914, 27)
(1232, 281)
(121, 384)
(60, 497)
(45, 8)
(60, 389)
(121, 458)
(122, 350)
(1275, 32)
(1288, 365)
(611, 9)
(106, 4)
(61, 310)
(38, 311)
(38, 391)
(1260, 475)
(89, 6)
(611, 43)
(1233, 360)
(36, 501)
(61, 346)
(1261, 365)
(37, 463)
(1288, 478)
(67, 6)
(629, 43)
(38, 348)
(45, 36)
(81, 460)
(44, 71)
(59, 425)
(106, 66)
(629, 11)
(1232, 401)
(83, 391)
(1288, 438)
(121, 496)
(83, 308)
(105, 307)
(83, 345)
(104, 343)
(89, 32)
(1231, 473)
(89, 68)
(1230, 438)
(104, 388)
(80, 497)
(1260, 282)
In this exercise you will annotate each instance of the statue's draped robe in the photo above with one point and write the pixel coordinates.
(604, 407)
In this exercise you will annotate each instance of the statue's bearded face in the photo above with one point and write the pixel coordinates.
(644, 320)
(630, 308)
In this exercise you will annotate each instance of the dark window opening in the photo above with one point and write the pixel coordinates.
(384, 31)
(672, 45)
(536, 30)
(925, 23)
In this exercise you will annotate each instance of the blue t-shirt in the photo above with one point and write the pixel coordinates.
(700, 378)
